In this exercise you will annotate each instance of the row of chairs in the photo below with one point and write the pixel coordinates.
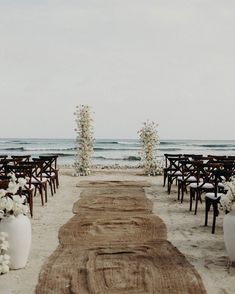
(202, 174)
(39, 172)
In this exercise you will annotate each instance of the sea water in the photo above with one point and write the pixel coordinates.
(125, 152)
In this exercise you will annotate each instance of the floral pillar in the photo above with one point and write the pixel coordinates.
(84, 140)
(149, 141)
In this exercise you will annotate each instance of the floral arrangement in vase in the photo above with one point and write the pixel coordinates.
(227, 201)
(149, 141)
(11, 204)
(84, 140)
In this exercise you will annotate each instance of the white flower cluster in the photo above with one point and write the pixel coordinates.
(10, 202)
(84, 140)
(4, 258)
(227, 201)
(149, 141)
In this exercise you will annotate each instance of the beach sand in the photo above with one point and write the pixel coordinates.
(186, 231)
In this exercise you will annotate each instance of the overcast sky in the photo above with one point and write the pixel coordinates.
(131, 60)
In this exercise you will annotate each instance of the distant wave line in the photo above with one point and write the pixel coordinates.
(126, 158)
(36, 149)
(113, 149)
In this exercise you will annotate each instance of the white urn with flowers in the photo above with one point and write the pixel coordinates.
(227, 204)
(14, 225)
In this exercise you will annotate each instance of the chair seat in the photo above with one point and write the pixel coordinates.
(207, 186)
(45, 175)
(201, 185)
(189, 179)
(27, 187)
(175, 173)
(211, 195)
(38, 180)
(221, 185)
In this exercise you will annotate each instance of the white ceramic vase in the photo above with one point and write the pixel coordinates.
(19, 236)
(229, 234)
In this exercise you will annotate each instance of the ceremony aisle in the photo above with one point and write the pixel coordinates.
(115, 244)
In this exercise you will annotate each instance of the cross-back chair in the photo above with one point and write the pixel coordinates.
(169, 165)
(37, 180)
(213, 198)
(50, 170)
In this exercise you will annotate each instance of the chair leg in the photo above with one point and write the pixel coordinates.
(179, 188)
(164, 179)
(30, 200)
(208, 204)
(183, 187)
(196, 201)
(215, 214)
(50, 184)
(41, 193)
(45, 189)
(169, 185)
(57, 179)
(192, 196)
(54, 185)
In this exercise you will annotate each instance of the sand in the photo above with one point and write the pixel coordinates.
(186, 231)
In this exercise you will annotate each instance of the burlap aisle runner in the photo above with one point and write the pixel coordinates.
(115, 245)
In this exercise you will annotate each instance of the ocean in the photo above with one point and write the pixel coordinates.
(112, 151)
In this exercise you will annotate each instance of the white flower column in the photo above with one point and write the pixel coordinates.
(84, 140)
(149, 141)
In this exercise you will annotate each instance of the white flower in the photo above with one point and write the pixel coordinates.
(227, 201)
(22, 182)
(4, 258)
(18, 199)
(6, 203)
(1, 214)
(13, 188)
(4, 245)
(2, 192)
(13, 177)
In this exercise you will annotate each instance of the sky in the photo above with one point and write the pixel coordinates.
(172, 62)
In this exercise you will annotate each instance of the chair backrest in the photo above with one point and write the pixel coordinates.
(167, 155)
(2, 166)
(193, 156)
(4, 183)
(220, 175)
(50, 162)
(20, 158)
(21, 171)
(39, 167)
(2, 157)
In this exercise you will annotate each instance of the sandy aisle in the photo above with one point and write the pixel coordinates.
(204, 250)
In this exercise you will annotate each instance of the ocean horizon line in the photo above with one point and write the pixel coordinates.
(134, 139)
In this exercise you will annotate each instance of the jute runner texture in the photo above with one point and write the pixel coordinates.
(115, 245)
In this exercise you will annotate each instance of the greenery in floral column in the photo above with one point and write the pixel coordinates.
(149, 142)
(84, 140)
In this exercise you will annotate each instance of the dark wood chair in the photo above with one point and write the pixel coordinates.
(174, 171)
(3, 161)
(169, 165)
(50, 170)
(213, 198)
(189, 176)
(20, 158)
(39, 183)
(205, 181)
